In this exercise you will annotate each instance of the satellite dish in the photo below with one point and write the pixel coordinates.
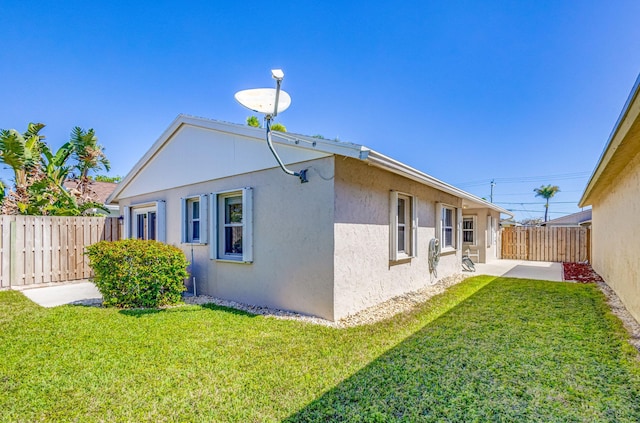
(262, 100)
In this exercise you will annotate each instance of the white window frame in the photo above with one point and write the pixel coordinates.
(409, 224)
(218, 228)
(473, 230)
(456, 221)
(147, 210)
(188, 220)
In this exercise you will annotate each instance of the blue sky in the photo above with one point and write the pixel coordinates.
(523, 92)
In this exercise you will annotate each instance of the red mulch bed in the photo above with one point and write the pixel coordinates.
(580, 272)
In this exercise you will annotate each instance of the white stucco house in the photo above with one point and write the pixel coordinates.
(613, 191)
(356, 234)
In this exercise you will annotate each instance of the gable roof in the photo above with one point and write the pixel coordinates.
(573, 219)
(100, 191)
(310, 144)
(623, 145)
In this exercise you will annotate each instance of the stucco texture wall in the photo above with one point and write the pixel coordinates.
(292, 265)
(616, 235)
(364, 274)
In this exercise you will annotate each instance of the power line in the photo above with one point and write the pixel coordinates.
(540, 211)
(528, 194)
(560, 177)
(521, 179)
(542, 204)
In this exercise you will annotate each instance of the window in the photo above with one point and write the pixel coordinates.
(403, 226)
(234, 226)
(447, 226)
(145, 221)
(231, 223)
(194, 220)
(469, 230)
(145, 224)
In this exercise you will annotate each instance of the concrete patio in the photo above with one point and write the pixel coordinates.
(522, 269)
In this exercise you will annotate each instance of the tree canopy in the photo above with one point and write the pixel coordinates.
(40, 173)
(253, 121)
(546, 192)
(278, 127)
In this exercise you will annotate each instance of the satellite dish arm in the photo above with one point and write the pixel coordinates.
(275, 106)
(303, 173)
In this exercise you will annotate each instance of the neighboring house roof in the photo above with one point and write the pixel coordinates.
(318, 146)
(508, 222)
(623, 145)
(574, 219)
(100, 190)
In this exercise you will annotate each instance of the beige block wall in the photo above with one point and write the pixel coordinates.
(364, 275)
(616, 236)
(293, 265)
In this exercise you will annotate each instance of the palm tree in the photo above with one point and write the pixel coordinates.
(21, 152)
(546, 192)
(88, 154)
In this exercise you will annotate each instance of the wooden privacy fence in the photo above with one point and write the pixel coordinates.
(542, 243)
(43, 249)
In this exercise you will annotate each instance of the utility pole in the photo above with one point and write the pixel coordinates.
(493, 184)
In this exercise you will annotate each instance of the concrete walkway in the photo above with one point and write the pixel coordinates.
(82, 292)
(86, 293)
(542, 270)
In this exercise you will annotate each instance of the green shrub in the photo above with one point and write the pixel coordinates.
(136, 273)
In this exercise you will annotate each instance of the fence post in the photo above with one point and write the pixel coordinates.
(12, 253)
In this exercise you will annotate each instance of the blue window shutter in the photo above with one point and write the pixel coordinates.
(126, 222)
(414, 226)
(247, 227)
(393, 226)
(161, 221)
(213, 228)
(204, 217)
(439, 224)
(184, 219)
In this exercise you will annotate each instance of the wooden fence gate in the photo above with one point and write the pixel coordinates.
(542, 243)
(43, 249)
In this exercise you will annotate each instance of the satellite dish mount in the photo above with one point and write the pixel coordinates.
(270, 101)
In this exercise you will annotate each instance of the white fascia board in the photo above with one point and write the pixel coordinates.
(389, 164)
(113, 198)
(610, 148)
(320, 144)
(295, 140)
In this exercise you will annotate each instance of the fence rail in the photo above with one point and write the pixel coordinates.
(556, 243)
(43, 249)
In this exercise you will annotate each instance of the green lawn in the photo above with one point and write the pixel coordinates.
(489, 349)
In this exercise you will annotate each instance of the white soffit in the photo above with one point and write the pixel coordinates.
(195, 154)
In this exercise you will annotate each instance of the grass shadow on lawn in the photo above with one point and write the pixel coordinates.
(143, 312)
(517, 350)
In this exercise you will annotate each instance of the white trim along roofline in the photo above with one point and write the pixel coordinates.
(301, 141)
(612, 145)
(341, 148)
(394, 166)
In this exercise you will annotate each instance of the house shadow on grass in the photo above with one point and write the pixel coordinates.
(471, 364)
(142, 312)
(414, 381)
(229, 310)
